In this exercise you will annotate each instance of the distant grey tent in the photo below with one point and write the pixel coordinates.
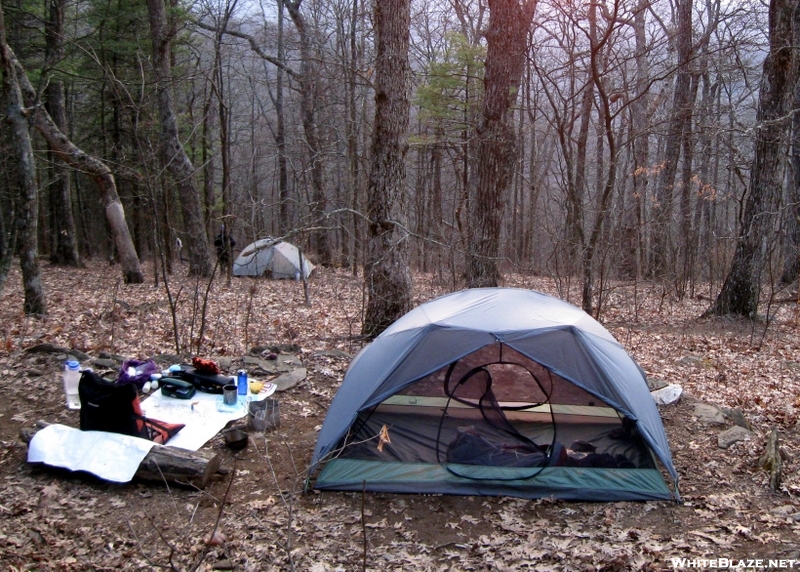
(274, 259)
(495, 391)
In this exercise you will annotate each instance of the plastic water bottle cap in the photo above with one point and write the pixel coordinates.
(73, 365)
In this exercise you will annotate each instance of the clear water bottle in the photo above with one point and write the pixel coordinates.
(72, 376)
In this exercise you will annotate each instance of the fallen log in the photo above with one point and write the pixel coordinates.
(771, 460)
(162, 463)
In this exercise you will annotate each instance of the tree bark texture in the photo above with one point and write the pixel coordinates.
(6, 241)
(284, 223)
(27, 215)
(102, 175)
(64, 244)
(174, 156)
(507, 33)
(742, 287)
(308, 111)
(386, 273)
(791, 255)
(679, 122)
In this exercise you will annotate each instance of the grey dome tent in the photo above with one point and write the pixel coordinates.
(495, 391)
(276, 259)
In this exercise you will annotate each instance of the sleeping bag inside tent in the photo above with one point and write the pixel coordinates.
(496, 391)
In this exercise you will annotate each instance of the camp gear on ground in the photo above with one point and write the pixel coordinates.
(483, 392)
(72, 376)
(205, 382)
(136, 372)
(178, 388)
(107, 406)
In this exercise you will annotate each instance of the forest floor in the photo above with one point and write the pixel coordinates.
(54, 520)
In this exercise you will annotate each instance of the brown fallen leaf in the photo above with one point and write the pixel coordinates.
(383, 438)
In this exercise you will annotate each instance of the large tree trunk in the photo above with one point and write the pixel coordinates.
(507, 34)
(64, 246)
(27, 215)
(680, 118)
(386, 274)
(308, 111)
(284, 223)
(791, 250)
(640, 126)
(78, 160)
(175, 159)
(742, 287)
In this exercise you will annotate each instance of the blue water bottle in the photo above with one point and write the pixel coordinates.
(241, 382)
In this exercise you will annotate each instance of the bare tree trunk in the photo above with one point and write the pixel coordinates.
(27, 215)
(641, 143)
(680, 117)
(507, 34)
(352, 252)
(7, 239)
(78, 160)
(386, 274)
(284, 224)
(791, 249)
(308, 111)
(64, 244)
(742, 287)
(597, 46)
(176, 161)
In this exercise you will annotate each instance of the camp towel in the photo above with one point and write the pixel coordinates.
(110, 456)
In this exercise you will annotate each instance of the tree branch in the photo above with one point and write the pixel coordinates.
(253, 46)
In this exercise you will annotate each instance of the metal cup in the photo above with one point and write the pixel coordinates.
(229, 394)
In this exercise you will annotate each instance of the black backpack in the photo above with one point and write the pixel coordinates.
(107, 406)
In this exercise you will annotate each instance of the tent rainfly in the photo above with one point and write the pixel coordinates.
(275, 259)
(496, 391)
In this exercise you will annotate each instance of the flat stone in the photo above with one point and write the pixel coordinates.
(737, 418)
(78, 355)
(47, 348)
(285, 348)
(667, 395)
(105, 363)
(290, 379)
(167, 359)
(711, 414)
(783, 510)
(733, 435)
(339, 354)
(224, 363)
(262, 366)
(116, 357)
(288, 360)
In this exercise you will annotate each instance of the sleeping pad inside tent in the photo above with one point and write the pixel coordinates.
(496, 392)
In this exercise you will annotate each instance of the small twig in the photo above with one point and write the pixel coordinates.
(364, 523)
(224, 500)
(113, 315)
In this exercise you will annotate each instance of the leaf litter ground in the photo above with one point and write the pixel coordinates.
(53, 520)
